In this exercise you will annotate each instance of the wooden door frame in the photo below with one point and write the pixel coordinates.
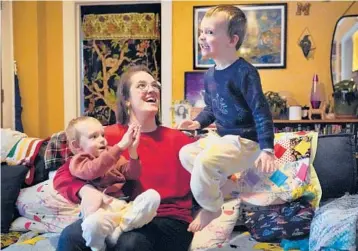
(7, 119)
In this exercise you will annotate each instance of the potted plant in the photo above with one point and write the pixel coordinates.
(276, 102)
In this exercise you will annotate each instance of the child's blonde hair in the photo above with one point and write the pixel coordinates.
(236, 18)
(72, 132)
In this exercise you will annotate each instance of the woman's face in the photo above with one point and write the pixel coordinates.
(181, 110)
(144, 94)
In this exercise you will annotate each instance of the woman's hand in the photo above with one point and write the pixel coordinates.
(132, 149)
(92, 200)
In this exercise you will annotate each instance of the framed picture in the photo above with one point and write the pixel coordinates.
(265, 41)
(194, 88)
(180, 110)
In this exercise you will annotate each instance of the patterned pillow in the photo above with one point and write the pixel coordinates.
(8, 139)
(294, 178)
(219, 230)
(44, 209)
(24, 152)
(57, 151)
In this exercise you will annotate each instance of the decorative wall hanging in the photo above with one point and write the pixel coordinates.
(303, 8)
(306, 43)
(115, 37)
(265, 42)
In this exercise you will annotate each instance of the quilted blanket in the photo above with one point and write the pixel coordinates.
(295, 177)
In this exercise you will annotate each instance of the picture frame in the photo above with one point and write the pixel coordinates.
(194, 88)
(265, 42)
(180, 110)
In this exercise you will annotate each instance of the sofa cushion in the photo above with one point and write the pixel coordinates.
(43, 209)
(12, 178)
(219, 230)
(336, 165)
(57, 151)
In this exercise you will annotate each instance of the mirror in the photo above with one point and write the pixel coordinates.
(344, 50)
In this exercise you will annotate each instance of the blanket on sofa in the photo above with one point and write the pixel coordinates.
(335, 225)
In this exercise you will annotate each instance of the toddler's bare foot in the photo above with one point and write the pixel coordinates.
(203, 218)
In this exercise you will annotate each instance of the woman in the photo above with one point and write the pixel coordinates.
(138, 101)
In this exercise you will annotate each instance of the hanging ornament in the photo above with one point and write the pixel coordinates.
(306, 43)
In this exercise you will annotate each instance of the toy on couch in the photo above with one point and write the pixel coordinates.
(301, 245)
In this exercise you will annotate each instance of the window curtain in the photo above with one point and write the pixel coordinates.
(111, 42)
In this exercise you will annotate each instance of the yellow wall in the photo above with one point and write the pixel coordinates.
(38, 51)
(297, 76)
(355, 51)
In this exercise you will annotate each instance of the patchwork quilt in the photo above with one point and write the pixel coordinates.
(294, 178)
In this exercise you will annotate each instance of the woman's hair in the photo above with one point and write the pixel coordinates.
(123, 93)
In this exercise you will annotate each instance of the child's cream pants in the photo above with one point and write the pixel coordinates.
(119, 216)
(211, 160)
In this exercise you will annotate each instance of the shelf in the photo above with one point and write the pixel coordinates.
(315, 121)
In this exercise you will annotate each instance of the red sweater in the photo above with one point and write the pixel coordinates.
(161, 171)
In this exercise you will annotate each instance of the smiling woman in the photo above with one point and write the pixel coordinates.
(158, 151)
(137, 90)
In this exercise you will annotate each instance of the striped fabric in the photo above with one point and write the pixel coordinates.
(24, 151)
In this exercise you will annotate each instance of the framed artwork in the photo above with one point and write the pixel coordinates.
(194, 88)
(265, 41)
(181, 110)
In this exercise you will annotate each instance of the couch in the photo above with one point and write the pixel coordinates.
(335, 164)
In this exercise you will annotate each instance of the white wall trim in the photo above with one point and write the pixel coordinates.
(7, 64)
(71, 56)
(71, 66)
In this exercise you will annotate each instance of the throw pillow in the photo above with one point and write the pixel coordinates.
(45, 206)
(8, 139)
(57, 151)
(219, 230)
(12, 178)
(24, 152)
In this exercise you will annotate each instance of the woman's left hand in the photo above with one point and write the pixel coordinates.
(266, 162)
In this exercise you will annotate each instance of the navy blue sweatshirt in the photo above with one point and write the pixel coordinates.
(235, 102)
